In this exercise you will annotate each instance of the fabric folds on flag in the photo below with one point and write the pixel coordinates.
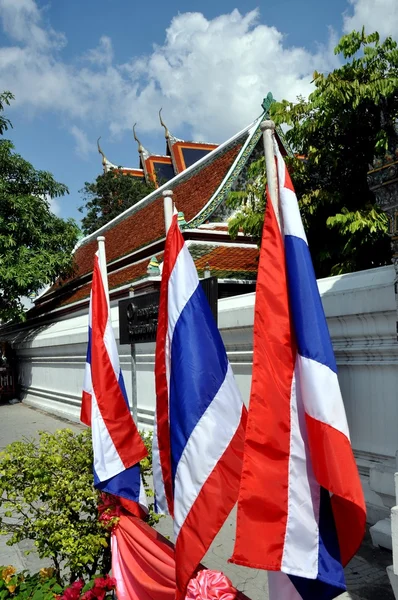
(200, 416)
(301, 509)
(142, 562)
(117, 444)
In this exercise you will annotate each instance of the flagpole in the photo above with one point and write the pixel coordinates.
(102, 265)
(268, 128)
(168, 208)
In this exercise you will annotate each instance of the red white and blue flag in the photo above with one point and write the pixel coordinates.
(301, 510)
(117, 444)
(200, 416)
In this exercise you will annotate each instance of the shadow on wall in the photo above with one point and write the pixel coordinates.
(15, 376)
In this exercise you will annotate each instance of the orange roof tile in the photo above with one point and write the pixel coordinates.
(222, 260)
(147, 224)
(230, 258)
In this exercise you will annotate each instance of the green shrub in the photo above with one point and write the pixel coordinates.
(22, 586)
(47, 496)
(146, 472)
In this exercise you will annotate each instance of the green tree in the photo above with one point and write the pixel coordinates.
(348, 120)
(5, 99)
(109, 195)
(35, 245)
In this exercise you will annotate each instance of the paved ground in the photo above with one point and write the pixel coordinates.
(366, 574)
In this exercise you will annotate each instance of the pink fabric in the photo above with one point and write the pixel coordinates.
(142, 563)
(144, 567)
(210, 585)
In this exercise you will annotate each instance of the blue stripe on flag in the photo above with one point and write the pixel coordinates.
(198, 368)
(330, 582)
(312, 334)
(123, 388)
(88, 356)
(126, 484)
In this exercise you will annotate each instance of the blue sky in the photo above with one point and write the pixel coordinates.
(83, 69)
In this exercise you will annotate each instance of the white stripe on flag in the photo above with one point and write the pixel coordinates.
(160, 494)
(182, 284)
(321, 394)
(111, 348)
(87, 382)
(107, 462)
(300, 551)
(143, 500)
(205, 447)
(291, 218)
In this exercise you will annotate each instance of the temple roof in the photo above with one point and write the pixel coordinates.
(160, 168)
(228, 262)
(138, 234)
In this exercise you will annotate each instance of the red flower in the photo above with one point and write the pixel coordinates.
(106, 583)
(98, 593)
(78, 585)
(73, 592)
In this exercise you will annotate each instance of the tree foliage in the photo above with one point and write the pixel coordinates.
(5, 100)
(35, 245)
(48, 497)
(249, 203)
(109, 195)
(349, 119)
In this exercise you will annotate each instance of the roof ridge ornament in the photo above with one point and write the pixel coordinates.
(167, 134)
(104, 159)
(266, 104)
(153, 266)
(141, 149)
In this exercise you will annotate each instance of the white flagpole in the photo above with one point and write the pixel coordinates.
(268, 128)
(102, 265)
(168, 208)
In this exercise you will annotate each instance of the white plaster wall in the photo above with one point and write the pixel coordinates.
(362, 316)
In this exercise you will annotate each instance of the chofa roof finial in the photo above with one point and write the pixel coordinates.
(104, 160)
(166, 131)
(141, 148)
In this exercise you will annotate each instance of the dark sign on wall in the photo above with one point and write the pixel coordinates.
(138, 316)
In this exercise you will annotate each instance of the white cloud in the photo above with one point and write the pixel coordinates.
(375, 15)
(214, 73)
(83, 145)
(211, 74)
(21, 20)
(103, 54)
(55, 206)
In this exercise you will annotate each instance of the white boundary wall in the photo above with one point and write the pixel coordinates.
(362, 315)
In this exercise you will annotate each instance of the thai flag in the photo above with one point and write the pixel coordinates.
(117, 445)
(301, 509)
(200, 416)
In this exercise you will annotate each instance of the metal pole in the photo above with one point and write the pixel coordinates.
(168, 208)
(134, 397)
(268, 127)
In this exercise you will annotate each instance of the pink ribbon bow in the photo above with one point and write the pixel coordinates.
(210, 585)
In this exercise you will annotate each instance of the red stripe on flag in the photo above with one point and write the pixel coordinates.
(335, 469)
(85, 410)
(288, 182)
(198, 530)
(263, 495)
(110, 400)
(173, 246)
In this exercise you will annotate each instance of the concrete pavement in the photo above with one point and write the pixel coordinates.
(366, 574)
